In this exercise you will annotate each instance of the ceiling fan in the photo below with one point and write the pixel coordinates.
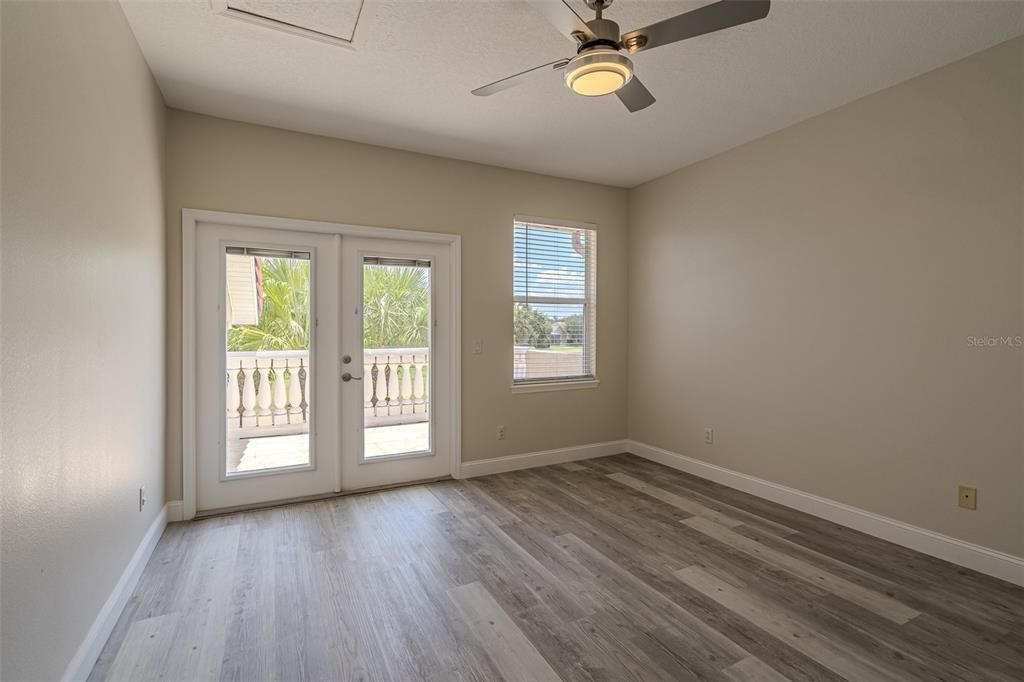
(601, 68)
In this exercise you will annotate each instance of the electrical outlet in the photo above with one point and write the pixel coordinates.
(709, 436)
(142, 498)
(501, 432)
(478, 347)
(968, 497)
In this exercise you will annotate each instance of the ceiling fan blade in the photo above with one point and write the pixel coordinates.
(512, 81)
(635, 95)
(564, 18)
(707, 19)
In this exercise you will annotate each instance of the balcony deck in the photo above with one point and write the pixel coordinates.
(271, 452)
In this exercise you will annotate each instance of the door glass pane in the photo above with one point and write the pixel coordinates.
(396, 358)
(268, 362)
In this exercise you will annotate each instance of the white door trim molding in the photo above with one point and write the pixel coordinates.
(190, 218)
(982, 559)
(89, 650)
(528, 460)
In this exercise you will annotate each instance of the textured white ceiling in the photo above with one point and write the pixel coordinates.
(407, 82)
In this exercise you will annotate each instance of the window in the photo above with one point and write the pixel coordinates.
(554, 294)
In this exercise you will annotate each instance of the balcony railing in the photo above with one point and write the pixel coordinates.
(268, 392)
(395, 386)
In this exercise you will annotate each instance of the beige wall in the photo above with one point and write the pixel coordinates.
(229, 166)
(82, 325)
(810, 296)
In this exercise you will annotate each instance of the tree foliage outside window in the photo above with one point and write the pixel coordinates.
(396, 310)
(536, 328)
(573, 329)
(532, 327)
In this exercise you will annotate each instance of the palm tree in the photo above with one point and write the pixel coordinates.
(284, 320)
(396, 311)
(396, 307)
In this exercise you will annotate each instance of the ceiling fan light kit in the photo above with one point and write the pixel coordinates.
(600, 71)
(600, 67)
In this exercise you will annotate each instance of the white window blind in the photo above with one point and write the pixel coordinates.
(554, 294)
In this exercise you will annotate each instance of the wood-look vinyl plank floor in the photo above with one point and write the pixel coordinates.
(607, 569)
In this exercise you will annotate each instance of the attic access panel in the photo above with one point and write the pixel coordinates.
(330, 22)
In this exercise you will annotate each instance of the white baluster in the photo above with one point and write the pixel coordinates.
(400, 385)
(280, 396)
(407, 395)
(414, 383)
(425, 383)
(294, 392)
(263, 397)
(249, 393)
(392, 385)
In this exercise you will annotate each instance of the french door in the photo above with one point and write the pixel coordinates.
(318, 359)
(267, 347)
(397, 361)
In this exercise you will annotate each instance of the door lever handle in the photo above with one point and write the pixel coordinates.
(347, 376)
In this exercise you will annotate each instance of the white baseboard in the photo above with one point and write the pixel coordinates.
(498, 465)
(982, 559)
(85, 658)
(175, 511)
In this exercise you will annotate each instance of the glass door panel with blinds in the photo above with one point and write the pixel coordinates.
(266, 362)
(554, 294)
(396, 408)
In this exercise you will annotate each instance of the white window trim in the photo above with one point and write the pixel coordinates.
(556, 384)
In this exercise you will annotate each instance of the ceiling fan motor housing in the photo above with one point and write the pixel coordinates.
(606, 33)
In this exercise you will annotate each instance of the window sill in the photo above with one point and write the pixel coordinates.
(542, 386)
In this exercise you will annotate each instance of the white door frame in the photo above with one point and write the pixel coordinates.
(190, 218)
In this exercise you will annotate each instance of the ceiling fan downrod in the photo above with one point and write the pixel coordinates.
(605, 31)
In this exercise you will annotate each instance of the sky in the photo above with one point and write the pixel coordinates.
(545, 263)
